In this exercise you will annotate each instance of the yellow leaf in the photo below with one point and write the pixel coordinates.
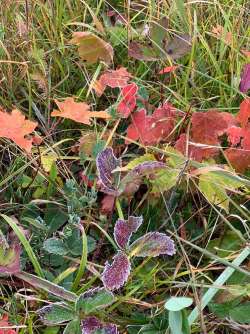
(92, 48)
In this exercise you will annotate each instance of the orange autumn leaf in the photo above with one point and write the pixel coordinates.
(77, 111)
(14, 126)
(245, 53)
(220, 33)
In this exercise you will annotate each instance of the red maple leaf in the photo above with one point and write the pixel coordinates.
(77, 111)
(128, 102)
(112, 78)
(192, 150)
(239, 158)
(5, 323)
(150, 130)
(244, 112)
(208, 126)
(14, 126)
(168, 69)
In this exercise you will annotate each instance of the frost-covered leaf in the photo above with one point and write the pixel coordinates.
(56, 314)
(152, 129)
(112, 78)
(152, 244)
(124, 228)
(55, 246)
(245, 79)
(92, 325)
(73, 327)
(77, 111)
(176, 304)
(106, 163)
(92, 48)
(128, 101)
(116, 274)
(14, 126)
(94, 299)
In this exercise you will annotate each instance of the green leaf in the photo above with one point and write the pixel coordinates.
(98, 147)
(215, 193)
(175, 322)
(73, 327)
(178, 303)
(213, 185)
(94, 299)
(164, 180)
(54, 218)
(56, 314)
(135, 162)
(158, 32)
(55, 246)
(227, 243)
(241, 313)
(222, 310)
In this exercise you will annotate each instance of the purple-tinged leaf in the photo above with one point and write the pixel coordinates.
(106, 162)
(10, 256)
(92, 325)
(245, 79)
(152, 244)
(116, 274)
(94, 299)
(124, 229)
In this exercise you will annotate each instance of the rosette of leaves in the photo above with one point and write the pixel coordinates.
(151, 244)
(81, 317)
(158, 45)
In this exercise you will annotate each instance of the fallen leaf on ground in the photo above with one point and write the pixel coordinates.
(5, 323)
(114, 78)
(152, 129)
(107, 204)
(77, 111)
(92, 48)
(245, 53)
(128, 102)
(222, 34)
(14, 126)
(168, 69)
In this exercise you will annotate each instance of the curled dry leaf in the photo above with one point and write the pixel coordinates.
(92, 48)
(112, 78)
(245, 79)
(124, 228)
(152, 244)
(92, 325)
(77, 111)
(14, 126)
(152, 129)
(116, 274)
